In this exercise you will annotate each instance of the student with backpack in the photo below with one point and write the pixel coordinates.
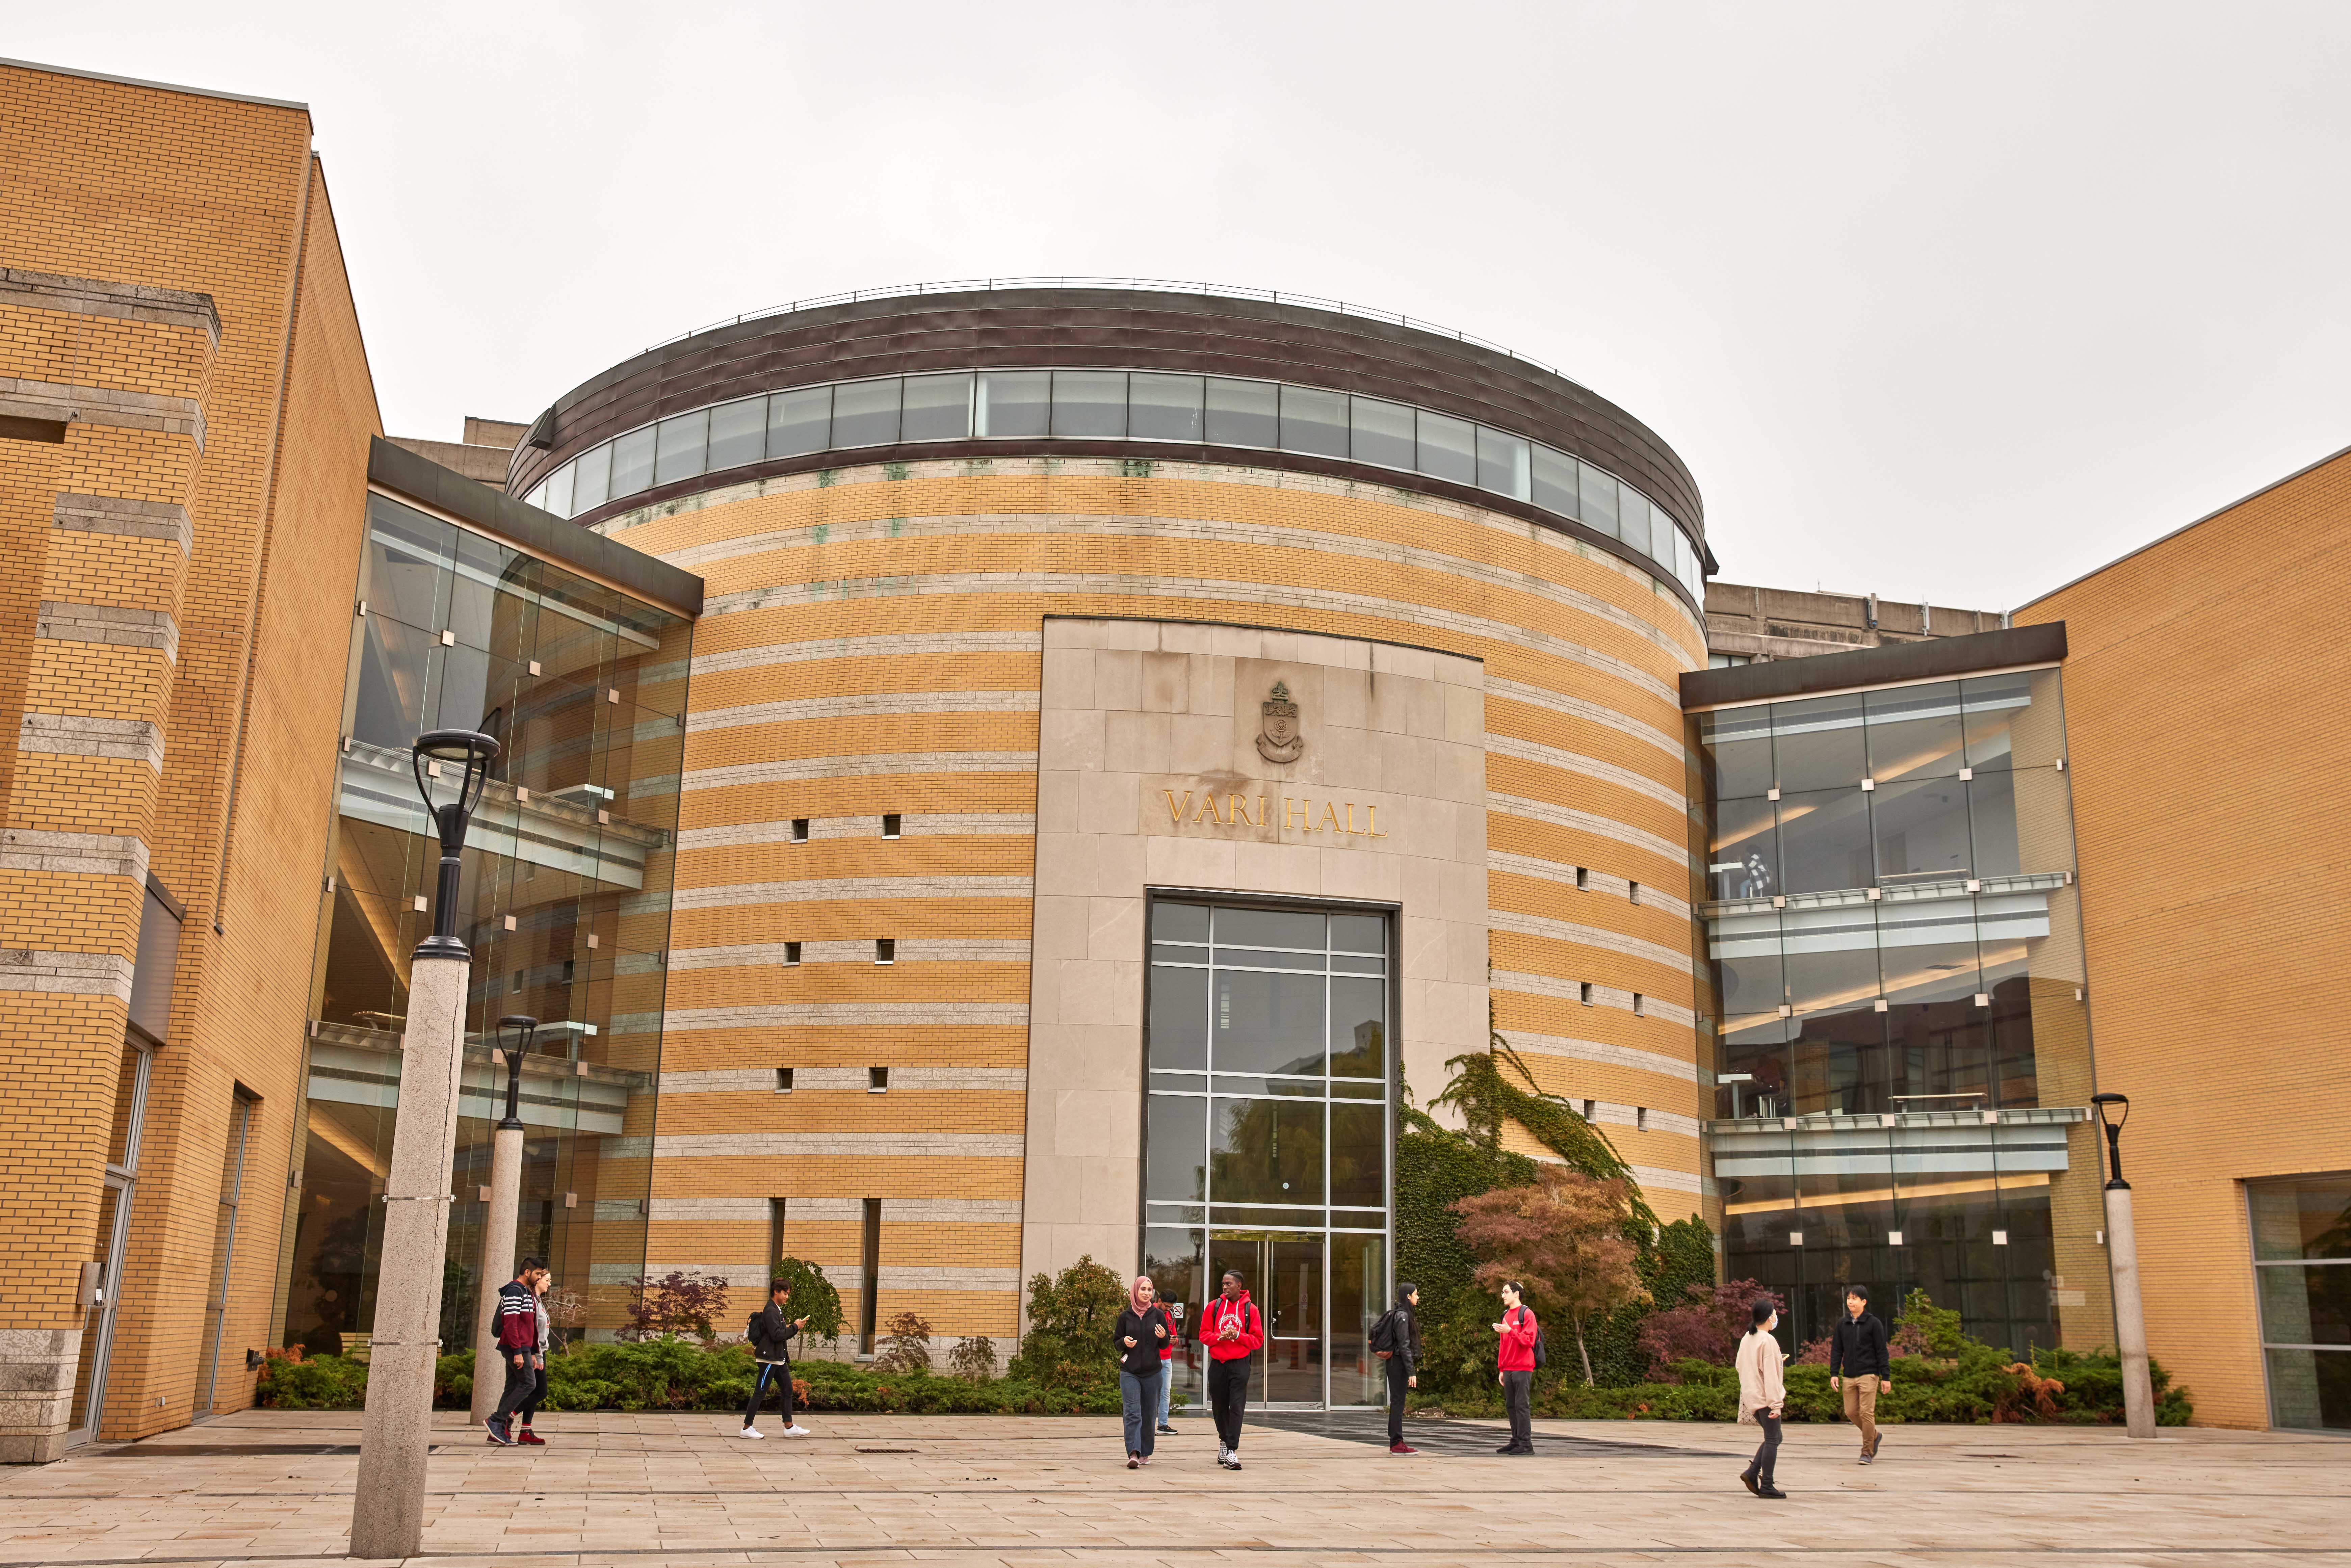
(1233, 1330)
(770, 1334)
(1395, 1339)
(1516, 1359)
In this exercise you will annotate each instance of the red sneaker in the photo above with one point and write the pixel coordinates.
(1401, 1449)
(533, 1439)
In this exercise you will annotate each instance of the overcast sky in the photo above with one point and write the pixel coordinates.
(1947, 300)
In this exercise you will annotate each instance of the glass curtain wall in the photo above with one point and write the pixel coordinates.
(2302, 1273)
(1120, 405)
(564, 902)
(1267, 1134)
(1900, 1032)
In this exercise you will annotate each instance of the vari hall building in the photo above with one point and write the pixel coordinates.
(999, 773)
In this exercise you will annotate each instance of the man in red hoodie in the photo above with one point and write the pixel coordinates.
(1516, 1361)
(1233, 1330)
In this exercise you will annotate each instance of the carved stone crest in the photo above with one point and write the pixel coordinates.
(1280, 739)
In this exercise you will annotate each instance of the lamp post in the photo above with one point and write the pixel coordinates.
(515, 1033)
(452, 766)
(2122, 1255)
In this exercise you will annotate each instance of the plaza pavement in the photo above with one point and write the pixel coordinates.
(681, 1491)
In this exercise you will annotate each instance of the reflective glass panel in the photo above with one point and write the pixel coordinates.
(1270, 928)
(1358, 934)
(1179, 922)
(1554, 481)
(1359, 1011)
(1597, 495)
(1258, 1022)
(1504, 464)
(1824, 841)
(1737, 747)
(1994, 705)
(2309, 1218)
(591, 479)
(1244, 414)
(1175, 1158)
(865, 414)
(1633, 517)
(555, 496)
(1163, 408)
(1265, 1150)
(1914, 732)
(1449, 449)
(1089, 404)
(1818, 743)
(1313, 421)
(1015, 402)
(633, 461)
(1921, 831)
(738, 433)
(1179, 1017)
(937, 408)
(682, 445)
(412, 563)
(1745, 860)
(1359, 1147)
(1382, 433)
(800, 422)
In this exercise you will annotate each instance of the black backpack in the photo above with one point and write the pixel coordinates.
(1542, 1354)
(1385, 1332)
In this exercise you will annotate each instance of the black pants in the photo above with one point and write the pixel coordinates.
(778, 1376)
(522, 1384)
(1228, 1398)
(1518, 1396)
(538, 1394)
(1767, 1454)
(1398, 1370)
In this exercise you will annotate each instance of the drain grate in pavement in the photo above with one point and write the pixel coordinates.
(863, 1449)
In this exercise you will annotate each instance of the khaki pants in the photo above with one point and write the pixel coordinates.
(1861, 1408)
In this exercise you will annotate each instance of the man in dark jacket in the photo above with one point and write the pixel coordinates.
(1859, 1367)
(1399, 1333)
(518, 1347)
(770, 1334)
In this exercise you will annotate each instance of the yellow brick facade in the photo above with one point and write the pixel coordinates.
(2206, 780)
(177, 302)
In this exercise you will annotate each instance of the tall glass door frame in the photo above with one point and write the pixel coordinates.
(118, 1190)
(1262, 1223)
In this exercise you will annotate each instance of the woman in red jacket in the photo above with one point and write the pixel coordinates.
(1232, 1329)
(1516, 1361)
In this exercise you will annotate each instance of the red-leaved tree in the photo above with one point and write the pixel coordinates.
(678, 1302)
(1564, 1239)
(1706, 1326)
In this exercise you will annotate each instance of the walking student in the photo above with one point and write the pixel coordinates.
(770, 1332)
(1860, 1366)
(1762, 1396)
(1395, 1339)
(1167, 1364)
(1515, 1360)
(538, 1363)
(1139, 1334)
(518, 1345)
(1233, 1330)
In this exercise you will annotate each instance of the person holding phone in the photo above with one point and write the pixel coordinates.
(1141, 1331)
(770, 1337)
(1233, 1330)
(1514, 1359)
(1762, 1396)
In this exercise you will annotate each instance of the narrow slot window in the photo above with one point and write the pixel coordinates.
(1640, 1005)
(800, 830)
(1586, 990)
(791, 954)
(783, 1080)
(1636, 888)
(890, 821)
(1640, 1118)
(869, 1276)
(885, 950)
(877, 1080)
(1583, 878)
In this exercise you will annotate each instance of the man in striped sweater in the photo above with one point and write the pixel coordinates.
(519, 1346)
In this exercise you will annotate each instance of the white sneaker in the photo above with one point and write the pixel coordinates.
(795, 1431)
(750, 1432)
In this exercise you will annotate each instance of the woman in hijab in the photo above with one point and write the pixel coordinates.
(1141, 1329)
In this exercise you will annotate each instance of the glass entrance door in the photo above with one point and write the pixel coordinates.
(98, 1321)
(1285, 1279)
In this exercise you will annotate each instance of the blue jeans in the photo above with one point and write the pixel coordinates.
(1167, 1385)
(1138, 1398)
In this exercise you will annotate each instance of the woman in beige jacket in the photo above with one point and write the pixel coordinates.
(1762, 1396)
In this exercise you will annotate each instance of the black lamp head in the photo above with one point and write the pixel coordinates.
(521, 1028)
(2121, 1104)
(467, 754)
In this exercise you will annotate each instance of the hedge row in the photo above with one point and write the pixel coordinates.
(679, 1374)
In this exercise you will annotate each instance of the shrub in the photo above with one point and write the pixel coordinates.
(1070, 1321)
(813, 1297)
(313, 1382)
(677, 1302)
(907, 1346)
(973, 1359)
(1706, 1325)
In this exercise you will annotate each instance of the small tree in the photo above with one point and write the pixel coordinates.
(973, 1359)
(1563, 1239)
(567, 1310)
(906, 1348)
(812, 1297)
(1706, 1326)
(679, 1302)
(1068, 1341)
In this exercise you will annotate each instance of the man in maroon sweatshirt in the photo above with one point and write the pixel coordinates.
(518, 1347)
(1233, 1330)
